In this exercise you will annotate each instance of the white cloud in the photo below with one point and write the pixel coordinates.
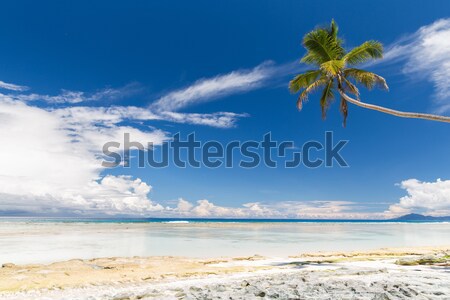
(112, 195)
(51, 161)
(283, 209)
(209, 89)
(166, 108)
(426, 54)
(120, 113)
(92, 127)
(431, 198)
(55, 167)
(218, 119)
(12, 87)
(73, 97)
(183, 206)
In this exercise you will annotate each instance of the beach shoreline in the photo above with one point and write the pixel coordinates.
(182, 277)
(55, 260)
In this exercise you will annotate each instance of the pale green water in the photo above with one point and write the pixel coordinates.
(42, 242)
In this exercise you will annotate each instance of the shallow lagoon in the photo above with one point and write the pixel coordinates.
(28, 241)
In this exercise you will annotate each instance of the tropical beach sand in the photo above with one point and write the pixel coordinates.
(400, 273)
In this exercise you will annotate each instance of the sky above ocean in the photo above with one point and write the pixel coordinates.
(75, 75)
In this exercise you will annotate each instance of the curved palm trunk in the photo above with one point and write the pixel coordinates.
(395, 112)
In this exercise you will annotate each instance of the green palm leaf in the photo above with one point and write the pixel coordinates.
(333, 31)
(332, 67)
(321, 47)
(327, 97)
(366, 78)
(311, 88)
(302, 81)
(363, 53)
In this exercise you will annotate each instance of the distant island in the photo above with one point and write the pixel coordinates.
(419, 217)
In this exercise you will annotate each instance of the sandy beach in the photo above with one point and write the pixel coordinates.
(398, 273)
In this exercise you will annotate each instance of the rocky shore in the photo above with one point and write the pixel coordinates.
(420, 273)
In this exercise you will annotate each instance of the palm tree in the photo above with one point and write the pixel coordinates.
(335, 71)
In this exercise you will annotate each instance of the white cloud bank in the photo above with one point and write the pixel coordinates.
(426, 55)
(431, 198)
(281, 210)
(50, 161)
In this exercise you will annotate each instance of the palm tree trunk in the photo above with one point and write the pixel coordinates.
(395, 112)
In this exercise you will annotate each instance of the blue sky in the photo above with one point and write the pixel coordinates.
(80, 58)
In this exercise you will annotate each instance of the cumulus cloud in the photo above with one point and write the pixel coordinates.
(51, 159)
(426, 55)
(431, 198)
(283, 209)
(112, 195)
(92, 127)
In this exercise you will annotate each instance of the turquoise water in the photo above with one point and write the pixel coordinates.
(196, 220)
(44, 240)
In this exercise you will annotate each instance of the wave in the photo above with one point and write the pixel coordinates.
(176, 222)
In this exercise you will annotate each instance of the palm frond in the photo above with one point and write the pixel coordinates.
(366, 51)
(321, 47)
(350, 87)
(366, 78)
(327, 96)
(311, 88)
(303, 80)
(332, 67)
(333, 31)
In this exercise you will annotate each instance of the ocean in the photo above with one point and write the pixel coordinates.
(46, 240)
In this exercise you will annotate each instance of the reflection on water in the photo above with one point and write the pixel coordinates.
(22, 242)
